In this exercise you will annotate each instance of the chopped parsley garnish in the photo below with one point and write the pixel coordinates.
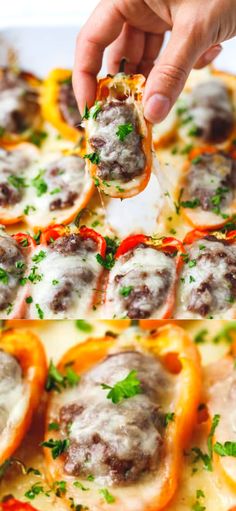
(93, 157)
(86, 112)
(53, 426)
(126, 290)
(90, 477)
(217, 199)
(201, 336)
(39, 311)
(79, 485)
(197, 506)
(178, 203)
(107, 262)
(94, 110)
(55, 191)
(194, 131)
(123, 130)
(83, 325)
(109, 498)
(186, 149)
(55, 282)
(206, 458)
(34, 276)
(38, 137)
(37, 237)
(123, 389)
(29, 299)
(190, 203)
(59, 488)
(17, 181)
(4, 277)
(28, 208)
(57, 381)
(20, 265)
(196, 160)
(192, 263)
(226, 449)
(39, 257)
(36, 490)
(57, 446)
(169, 417)
(227, 333)
(40, 184)
(24, 243)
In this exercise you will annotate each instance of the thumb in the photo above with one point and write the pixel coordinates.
(169, 74)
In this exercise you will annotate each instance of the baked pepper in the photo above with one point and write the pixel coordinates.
(12, 504)
(65, 273)
(207, 193)
(175, 358)
(118, 138)
(59, 105)
(21, 116)
(142, 283)
(23, 375)
(206, 284)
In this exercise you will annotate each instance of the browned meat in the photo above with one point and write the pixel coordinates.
(9, 195)
(209, 177)
(68, 105)
(122, 160)
(24, 103)
(209, 286)
(212, 111)
(116, 442)
(63, 204)
(67, 291)
(73, 244)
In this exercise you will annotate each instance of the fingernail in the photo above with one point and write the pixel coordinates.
(212, 53)
(156, 107)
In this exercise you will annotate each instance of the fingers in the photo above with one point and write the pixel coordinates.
(130, 44)
(153, 44)
(103, 27)
(168, 76)
(208, 56)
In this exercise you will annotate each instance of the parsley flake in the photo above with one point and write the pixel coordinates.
(123, 389)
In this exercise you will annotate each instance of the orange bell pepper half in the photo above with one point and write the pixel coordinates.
(178, 355)
(29, 352)
(196, 216)
(12, 504)
(50, 105)
(124, 88)
(167, 245)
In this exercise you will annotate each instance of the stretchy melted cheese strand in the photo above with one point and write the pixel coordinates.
(207, 193)
(20, 113)
(206, 285)
(24, 356)
(15, 252)
(142, 283)
(65, 273)
(118, 138)
(172, 355)
(59, 105)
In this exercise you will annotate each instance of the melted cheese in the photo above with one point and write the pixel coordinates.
(58, 268)
(143, 268)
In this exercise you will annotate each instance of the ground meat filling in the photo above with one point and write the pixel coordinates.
(212, 180)
(19, 105)
(209, 277)
(10, 377)
(118, 160)
(142, 281)
(74, 279)
(118, 443)
(65, 181)
(211, 111)
(68, 105)
(12, 164)
(12, 265)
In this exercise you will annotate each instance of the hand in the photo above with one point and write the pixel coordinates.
(135, 29)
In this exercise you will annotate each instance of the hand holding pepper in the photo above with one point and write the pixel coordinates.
(135, 29)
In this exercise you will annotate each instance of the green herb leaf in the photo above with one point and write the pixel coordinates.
(109, 498)
(83, 325)
(28, 208)
(123, 389)
(95, 109)
(57, 446)
(123, 130)
(4, 277)
(79, 485)
(226, 449)
(93, 157)
(40, 184)
(53, 426)
(169, 417)
(39, 311)
(38, 137)
(57, 381)
(39, 257)
(17, 181)
(126, 290)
